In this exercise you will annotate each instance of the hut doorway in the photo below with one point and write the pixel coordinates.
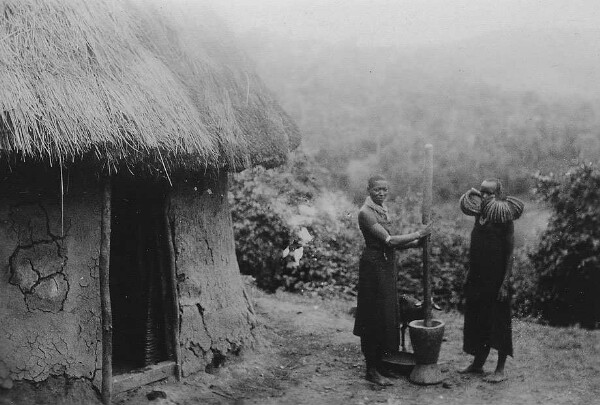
(141, 288)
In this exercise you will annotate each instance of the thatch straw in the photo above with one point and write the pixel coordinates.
(132, 82)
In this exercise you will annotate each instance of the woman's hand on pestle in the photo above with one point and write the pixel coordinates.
(425, 230)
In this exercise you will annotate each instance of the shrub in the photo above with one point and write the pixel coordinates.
(271, 208)
(330, 261)
(449, 255)
(567, 259)
(260, 233)
(450, 262)
(524, 283)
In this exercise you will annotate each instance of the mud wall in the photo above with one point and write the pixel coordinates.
(216, 316)
(49, 288)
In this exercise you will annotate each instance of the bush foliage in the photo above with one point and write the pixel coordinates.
(275, 210)
(567, 260)
(270, 208)
(449, 255)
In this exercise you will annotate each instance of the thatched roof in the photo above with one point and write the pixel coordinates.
(132, 82)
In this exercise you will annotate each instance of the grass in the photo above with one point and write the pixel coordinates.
(550, 365)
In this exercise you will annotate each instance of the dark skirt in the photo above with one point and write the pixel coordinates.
(487, 320)
(487, 324)
(377, 303)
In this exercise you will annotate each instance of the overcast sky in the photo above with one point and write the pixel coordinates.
(405, 22)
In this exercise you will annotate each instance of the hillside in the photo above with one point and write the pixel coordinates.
(482, 102)
(553, 63)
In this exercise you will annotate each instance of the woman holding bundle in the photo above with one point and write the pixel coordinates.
(487, 321)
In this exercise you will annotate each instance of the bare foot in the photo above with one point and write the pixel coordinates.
(471, 369)
(495, 377)
(376, 378)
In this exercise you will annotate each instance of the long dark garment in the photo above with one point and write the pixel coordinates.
(487, 320)
(376, 311)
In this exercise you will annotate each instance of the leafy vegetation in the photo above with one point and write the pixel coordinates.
(567, 260)
(271, 208)
(287, 209)
(278, 211)
(364, 109)
(449, 254)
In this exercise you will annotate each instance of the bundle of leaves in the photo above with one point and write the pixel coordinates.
(567, 259)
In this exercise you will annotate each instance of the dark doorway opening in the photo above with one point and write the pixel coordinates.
(140, 284)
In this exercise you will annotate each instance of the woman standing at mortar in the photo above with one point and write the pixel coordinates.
(487, 310)
(377, 307)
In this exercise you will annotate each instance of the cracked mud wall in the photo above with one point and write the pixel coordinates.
(49, 287)
(216, 316)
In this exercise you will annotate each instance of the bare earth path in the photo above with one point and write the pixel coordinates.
(311, 357)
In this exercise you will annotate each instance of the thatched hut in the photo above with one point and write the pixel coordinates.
(119, 123)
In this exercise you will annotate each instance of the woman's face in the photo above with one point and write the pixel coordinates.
(488, 189)
(379, 191)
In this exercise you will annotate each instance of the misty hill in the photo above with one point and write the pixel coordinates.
(552, 62)
(496, 105)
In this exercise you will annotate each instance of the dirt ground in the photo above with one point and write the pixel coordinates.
(310, 356)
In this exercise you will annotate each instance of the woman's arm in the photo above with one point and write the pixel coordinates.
(369, 222)
(414, 244)
(509, 242)
(406, 240)
(396, 241)
(409, 240)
